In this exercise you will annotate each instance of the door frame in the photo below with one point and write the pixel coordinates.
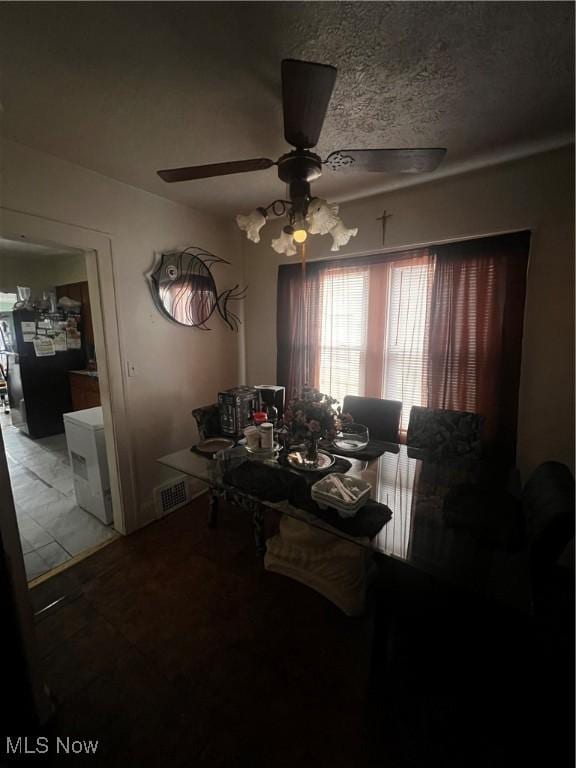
(20, 612)
(98, 249)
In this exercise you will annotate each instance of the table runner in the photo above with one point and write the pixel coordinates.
(278, 483)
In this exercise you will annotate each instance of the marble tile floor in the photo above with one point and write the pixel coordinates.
(53, 528)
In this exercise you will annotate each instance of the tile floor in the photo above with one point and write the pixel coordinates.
(52, 526)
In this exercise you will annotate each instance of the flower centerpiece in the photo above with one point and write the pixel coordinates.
(310, 416)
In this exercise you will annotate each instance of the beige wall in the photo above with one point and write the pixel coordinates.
(177, 368)
(61, 270)
(535, 193)
(21, 270)
(40, 273)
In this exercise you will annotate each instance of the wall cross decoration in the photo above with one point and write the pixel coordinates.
(384, 219)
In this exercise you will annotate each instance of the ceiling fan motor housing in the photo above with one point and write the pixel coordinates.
(299, 165)
(298, 168)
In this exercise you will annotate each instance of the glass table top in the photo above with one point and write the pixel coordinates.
(412, 486)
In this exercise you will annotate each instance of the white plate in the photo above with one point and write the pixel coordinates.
(214, 444)
(325, 461)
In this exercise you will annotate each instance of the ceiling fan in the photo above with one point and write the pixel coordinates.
(306, 91)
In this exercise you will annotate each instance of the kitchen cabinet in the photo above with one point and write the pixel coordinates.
(79, 292)
(84, 390)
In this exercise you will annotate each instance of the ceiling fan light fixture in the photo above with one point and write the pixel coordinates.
(341, 235)
(306, 92)
(285, 242)
(252, 223)
(321, 216)
(299, 229)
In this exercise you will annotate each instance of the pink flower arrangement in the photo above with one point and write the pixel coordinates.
(312, 414)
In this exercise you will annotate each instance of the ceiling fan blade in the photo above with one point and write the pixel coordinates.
(385, 160)
(306, 92)
(215, 169)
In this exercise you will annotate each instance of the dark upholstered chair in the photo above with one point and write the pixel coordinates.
(382, 417)
(538, 526)
(548, 505)
(208, 421)
(443, 433)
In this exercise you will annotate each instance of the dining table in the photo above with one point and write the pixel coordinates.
(419, 535)
(440, 574)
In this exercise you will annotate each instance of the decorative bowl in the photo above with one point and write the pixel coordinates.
(352, 438)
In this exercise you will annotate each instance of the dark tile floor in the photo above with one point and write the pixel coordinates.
(174, 647)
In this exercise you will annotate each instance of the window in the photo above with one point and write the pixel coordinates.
(343, 332)
(439, 327)
(405, 345)
(7, 301)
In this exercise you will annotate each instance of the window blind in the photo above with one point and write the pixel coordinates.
(439, 327)
(344, 317)
(405, 345)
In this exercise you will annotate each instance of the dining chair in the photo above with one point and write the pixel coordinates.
(548, 505)
(527, 537)
(208, 421)
(382, 417)
(444, 433)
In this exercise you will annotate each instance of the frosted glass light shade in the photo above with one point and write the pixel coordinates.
(252, 223)
(341, 235)
(322, 216)
(284, 244)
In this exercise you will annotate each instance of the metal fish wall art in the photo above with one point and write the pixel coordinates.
(185, 291)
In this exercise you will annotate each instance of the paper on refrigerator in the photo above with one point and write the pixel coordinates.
(73, 338)
(28, 329)
(44, 346)
(60, 342)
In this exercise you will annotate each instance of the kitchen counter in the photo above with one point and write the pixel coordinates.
(92, 374)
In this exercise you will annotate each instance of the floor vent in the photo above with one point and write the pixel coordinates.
(171, 496)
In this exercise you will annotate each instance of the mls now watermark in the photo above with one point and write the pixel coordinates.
(42, 745)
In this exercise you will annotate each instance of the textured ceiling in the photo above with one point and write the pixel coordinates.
(127, 88)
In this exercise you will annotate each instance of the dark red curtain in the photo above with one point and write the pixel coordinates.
(298, 326)
(475, 334)
(474, 294)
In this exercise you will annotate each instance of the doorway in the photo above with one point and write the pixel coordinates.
(52, 419)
